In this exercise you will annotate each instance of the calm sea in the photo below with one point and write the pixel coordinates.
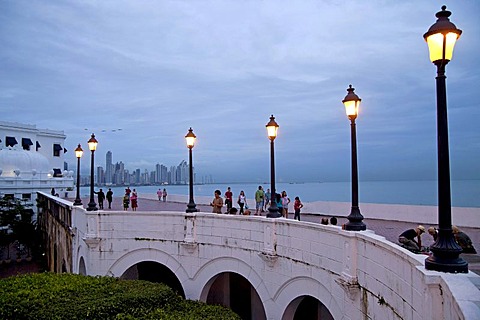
(465, 193)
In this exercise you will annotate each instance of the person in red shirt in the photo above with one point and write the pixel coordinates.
(297, 205)
(228, 199)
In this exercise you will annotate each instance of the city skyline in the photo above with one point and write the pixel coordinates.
(139, 74)
(116, 173)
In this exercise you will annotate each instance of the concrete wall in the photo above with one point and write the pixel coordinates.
(55, 220)
(354, 274)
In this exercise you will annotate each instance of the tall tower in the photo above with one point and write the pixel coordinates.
(164, 174)
(108, 168)
(158, 174)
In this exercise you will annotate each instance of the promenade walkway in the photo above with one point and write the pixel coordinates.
(388, 229)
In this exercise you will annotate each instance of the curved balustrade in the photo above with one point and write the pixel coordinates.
(349, 273)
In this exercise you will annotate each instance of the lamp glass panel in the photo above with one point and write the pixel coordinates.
(190, 141)
(272, 131)
(79, 154)
(92, 146)
(351, 107)
(435, 45)
(450, 44)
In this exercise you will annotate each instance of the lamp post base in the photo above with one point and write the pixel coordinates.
(445, 256)
(92, 206)
(191, 207)
(273, 213)
(77, 202)
(455, 265)
(355, 220)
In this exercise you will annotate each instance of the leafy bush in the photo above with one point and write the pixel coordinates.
(69, 296)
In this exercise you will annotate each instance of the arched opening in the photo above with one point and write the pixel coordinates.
(235, 292)
(307, 308)
(82, 269)
(64, 266)
(154, 272)
(55, 263)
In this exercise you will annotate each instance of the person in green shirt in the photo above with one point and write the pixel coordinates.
(259, 196)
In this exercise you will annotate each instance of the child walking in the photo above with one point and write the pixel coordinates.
(297, 205)
(126, 202)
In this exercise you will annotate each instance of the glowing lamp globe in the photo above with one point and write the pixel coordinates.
(441, 38)
(351, 103)
(79, 151)
(272, 128)
(92, 143)
(190, 138)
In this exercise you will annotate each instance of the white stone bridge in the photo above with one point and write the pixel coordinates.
(261, 268)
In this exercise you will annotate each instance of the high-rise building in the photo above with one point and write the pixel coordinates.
(158, 174)
(172, 176)
(126, 177)
(137, 176)
(153, 178)
(100, 176)
(145, 178)
(182, 173)
(163, 174)
(108, 168)
(119, 173)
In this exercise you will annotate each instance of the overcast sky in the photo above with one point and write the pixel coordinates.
(156, 68)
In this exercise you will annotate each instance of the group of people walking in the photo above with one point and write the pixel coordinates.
(101, 198)
(411, 239)
(130, 199)
(262, 200)
(162, 195)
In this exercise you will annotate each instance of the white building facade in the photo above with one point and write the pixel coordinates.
(32, 160)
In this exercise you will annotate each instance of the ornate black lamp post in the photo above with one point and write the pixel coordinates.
(272, 128)
(441, 38)
(190, 138)
(92, 145)
(355, 218)
(78, 154)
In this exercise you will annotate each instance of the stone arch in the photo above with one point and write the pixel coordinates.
(154, 271)
(288, 294)
(82, 268)
(64, 266)
(131, 258)
(234, 291)
(205, 274)
(306, 307)
(55, 259)
(81, 254)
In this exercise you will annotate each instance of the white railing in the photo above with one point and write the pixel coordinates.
(353, 271)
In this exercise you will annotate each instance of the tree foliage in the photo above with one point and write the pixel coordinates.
(16, 222)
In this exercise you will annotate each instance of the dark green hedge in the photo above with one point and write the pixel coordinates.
(69, 296)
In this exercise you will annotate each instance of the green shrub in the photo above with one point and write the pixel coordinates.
(68, 296)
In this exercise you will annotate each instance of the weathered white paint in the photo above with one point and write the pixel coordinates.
(352, 273)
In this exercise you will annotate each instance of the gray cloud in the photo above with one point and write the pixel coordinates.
(154, 69)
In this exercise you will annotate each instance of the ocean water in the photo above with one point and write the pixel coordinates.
(465, 193)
